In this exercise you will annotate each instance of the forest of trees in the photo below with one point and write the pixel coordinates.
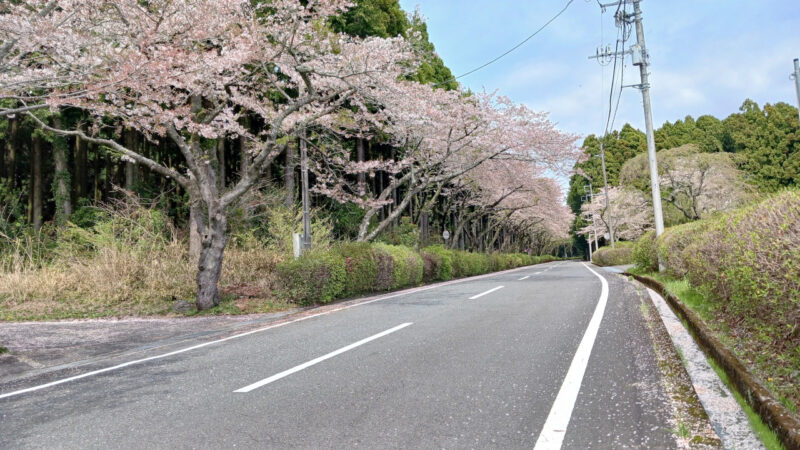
(706, 165)
(199, 110)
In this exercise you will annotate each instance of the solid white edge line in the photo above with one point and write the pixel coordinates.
(555, 427)
(259, 330)
(487, 292)
(314, 361)
(524, 278)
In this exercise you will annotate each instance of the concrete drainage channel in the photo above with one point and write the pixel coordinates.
(727, 417)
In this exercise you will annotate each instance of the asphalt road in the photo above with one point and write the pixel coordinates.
(444, 367)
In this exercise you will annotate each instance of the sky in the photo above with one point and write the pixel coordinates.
(707, 56)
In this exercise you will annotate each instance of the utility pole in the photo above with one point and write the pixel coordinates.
(641, 59)
(306, 241)
(796, 76)
(605, 186)
(590, 198)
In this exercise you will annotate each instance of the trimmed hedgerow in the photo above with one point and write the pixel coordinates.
(407, 268)
(385, 275)
(361, 267)
(744, 264)
(316, 277)
(446, 270)
(673, 242)
(645, 252)
(431, 266)
(607, 256)
(350, 269)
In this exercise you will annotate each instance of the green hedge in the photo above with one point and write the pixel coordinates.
(350, 269)
(745, 264)
(607, 256)
(446, 269)
(673, 242)
(361, 267)
(645, 252)
(316, 277)
(407, 268)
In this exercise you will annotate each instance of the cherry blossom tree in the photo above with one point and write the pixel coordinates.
(442, 135)
(629, 212)
(509, 194)
(695, 183)
(191, 71)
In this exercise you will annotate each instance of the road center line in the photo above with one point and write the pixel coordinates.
(248, 333)
(524, 278)
(308, 364)
(555, 427)
(487, 292)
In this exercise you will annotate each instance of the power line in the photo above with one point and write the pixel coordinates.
(512, 48)
(622, 37)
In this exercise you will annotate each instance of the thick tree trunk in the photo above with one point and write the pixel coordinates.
(61, 177)
(209, 267)
(195, 240)
(289, 175)
(36, 187)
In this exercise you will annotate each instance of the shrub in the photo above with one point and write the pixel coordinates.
(466, 264)
(746, 265)
(407, 268)
(431, 266)
(608, 256)
(750, 259)
(315, 277)
(645, 254)
(384, 278)
(361, 267)
(446, 269)
(673, 242)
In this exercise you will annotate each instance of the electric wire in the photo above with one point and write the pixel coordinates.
(622, 37)
(552, 19)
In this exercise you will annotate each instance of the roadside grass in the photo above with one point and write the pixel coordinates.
(695, 301)
(3, 350)
(123, 283)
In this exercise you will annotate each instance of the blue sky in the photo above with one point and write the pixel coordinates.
(707, 56)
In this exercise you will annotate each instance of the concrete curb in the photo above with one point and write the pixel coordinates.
(780, 419)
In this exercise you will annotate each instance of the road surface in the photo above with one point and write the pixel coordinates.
(536, 357)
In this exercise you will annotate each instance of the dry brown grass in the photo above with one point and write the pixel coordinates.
(116, 283)
(129, 263)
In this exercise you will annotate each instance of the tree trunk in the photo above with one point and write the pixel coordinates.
(61, 177)
(195, 240)
(80, 168)
(362, 179)
(36, 186)
(244, 165)
(221, 162)
(130, 168)
(11, 153)
(289, 175)
(209, 267)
